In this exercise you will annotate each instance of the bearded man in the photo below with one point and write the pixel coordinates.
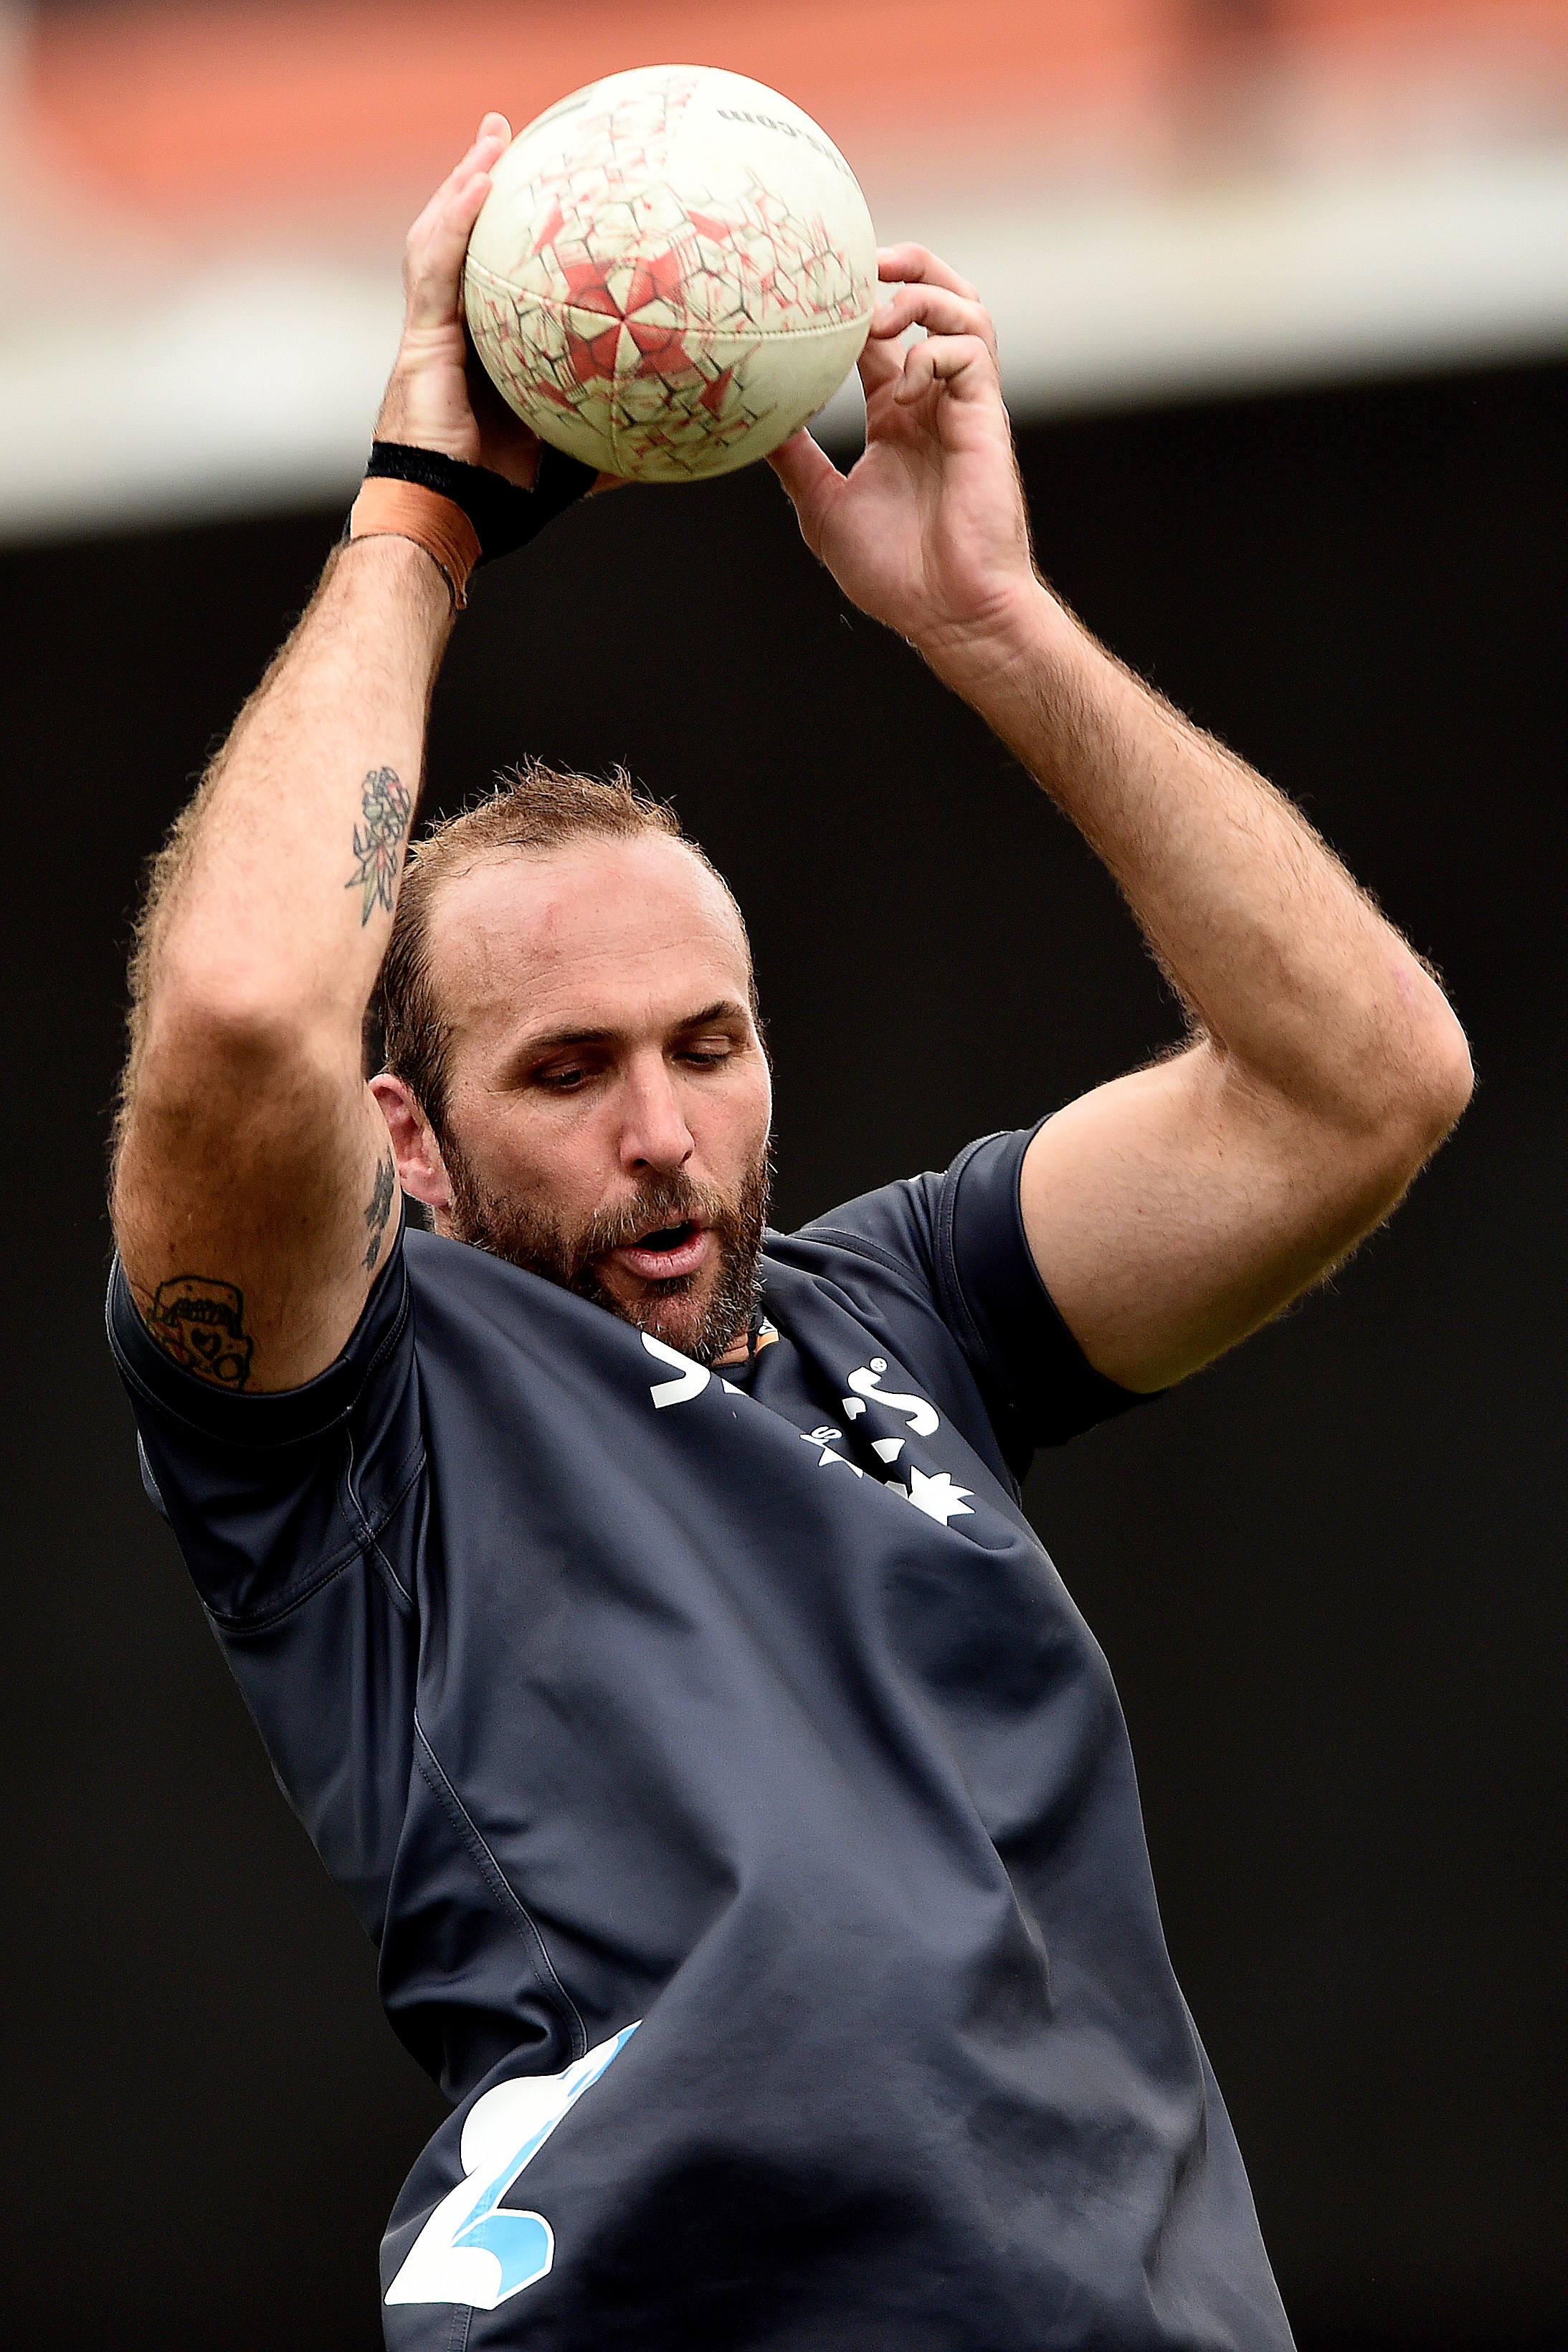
(638, 1606)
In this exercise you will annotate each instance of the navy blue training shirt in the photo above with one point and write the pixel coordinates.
(743, 1810)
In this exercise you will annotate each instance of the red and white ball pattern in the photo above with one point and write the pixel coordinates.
(674, 269)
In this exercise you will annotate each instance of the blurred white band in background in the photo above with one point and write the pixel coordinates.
(161, 360)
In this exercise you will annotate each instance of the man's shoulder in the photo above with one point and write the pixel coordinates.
(878, 1256)
(893, 1226)
(954, 1245)
(901, 1232)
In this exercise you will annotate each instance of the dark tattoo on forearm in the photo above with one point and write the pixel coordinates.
(387, 806)
(379, 1208)
(200, 1322)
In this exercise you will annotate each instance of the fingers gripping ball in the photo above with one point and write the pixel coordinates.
(674, 269)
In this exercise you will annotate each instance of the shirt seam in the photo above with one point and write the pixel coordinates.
(950, 1288)
(440, 1786)
(371, 1528)
(859, 1246)
(262, 1620)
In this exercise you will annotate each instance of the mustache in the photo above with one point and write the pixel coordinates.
(672, 1200)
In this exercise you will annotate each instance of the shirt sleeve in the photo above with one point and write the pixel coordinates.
(1008, 1325)
(297, 1513)
(962, 1235)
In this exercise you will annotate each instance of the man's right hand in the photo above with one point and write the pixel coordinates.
(439, 396)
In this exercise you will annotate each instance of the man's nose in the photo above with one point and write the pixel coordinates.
(654, 1132)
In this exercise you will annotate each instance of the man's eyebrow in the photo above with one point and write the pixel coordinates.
(546, 1041)
(723, 1008)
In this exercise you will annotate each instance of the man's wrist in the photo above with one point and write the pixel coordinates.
(427, 418)
(406, 569)
(402, 509)
(464, 514)
(1026, 633)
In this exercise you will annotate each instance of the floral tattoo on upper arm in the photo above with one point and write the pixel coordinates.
(387, 806)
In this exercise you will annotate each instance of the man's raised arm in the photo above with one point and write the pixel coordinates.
(1172, 1211)
(255, 1193)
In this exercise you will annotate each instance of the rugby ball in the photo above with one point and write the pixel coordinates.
(673, 270)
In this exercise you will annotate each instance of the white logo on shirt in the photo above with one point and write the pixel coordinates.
(931, 1492)
(473, 2249)
(867, 1382)
(693, 1378)
(937, 1496)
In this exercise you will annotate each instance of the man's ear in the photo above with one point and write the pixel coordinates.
(420, 1170)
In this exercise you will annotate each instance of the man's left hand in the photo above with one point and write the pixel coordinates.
(928, 533)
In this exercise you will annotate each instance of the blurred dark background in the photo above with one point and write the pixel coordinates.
(1323, 1571)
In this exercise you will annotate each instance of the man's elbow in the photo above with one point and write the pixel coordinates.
(233, 1023)
(1392, 1100)
(1426, 1080)
(1439, 1076)
(1449, 1076)
(220, 1065)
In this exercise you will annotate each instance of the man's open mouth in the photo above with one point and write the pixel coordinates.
(667, 1237)
(666, 1252)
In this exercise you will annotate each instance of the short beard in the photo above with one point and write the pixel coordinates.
(542, 1245)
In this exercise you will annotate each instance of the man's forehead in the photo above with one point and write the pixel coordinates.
(615, 916)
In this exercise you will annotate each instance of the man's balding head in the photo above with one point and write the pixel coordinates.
(533, 811)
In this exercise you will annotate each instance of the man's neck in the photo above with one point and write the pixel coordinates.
(749, 1344)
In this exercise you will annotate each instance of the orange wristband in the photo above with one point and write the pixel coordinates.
(387, 509)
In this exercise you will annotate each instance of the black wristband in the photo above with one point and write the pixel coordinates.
(504, 516)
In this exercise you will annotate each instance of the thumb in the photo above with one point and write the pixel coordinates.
(811, 480)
